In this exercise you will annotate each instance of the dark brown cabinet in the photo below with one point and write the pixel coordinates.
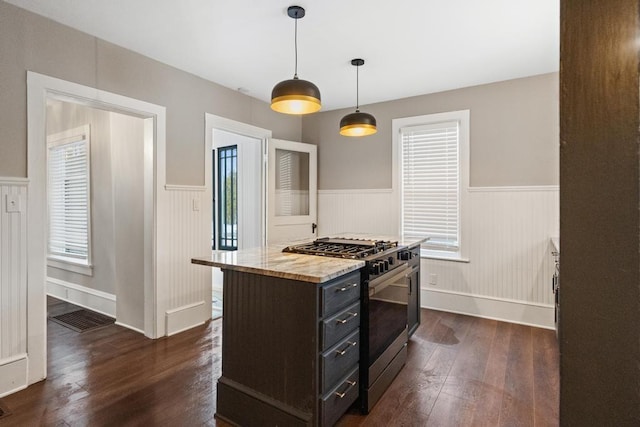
(290, 351)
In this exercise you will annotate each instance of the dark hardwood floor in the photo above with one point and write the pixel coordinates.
(462, 371)
(467, 371)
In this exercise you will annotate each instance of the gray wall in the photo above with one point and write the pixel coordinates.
(127, 154)
(514, 135)
(31, 42)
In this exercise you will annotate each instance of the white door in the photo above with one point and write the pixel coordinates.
(241, 171)
(292, 201)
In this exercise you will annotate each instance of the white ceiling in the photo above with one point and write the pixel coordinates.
(411, 47)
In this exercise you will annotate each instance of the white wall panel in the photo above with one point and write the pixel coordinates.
(188, 236)
(510, 258)
(13, 281)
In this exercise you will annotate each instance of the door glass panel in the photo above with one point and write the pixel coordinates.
(228, 197)
(292, 183)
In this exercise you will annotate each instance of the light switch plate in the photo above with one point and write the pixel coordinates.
(13, 203)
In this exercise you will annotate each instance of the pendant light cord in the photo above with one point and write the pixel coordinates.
(357, 89)
(295, 38)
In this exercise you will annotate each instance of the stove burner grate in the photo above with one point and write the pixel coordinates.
(342, 247)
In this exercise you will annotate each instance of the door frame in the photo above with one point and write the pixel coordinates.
(39, 88)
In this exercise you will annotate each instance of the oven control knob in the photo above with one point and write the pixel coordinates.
(379, 267)
(375, 268)
(385, 265)
(391, 260)
(405, 255)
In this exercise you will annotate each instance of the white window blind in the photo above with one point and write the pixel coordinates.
(431, 184)
(68, 197)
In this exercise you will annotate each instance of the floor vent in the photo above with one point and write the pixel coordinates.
(83, 320)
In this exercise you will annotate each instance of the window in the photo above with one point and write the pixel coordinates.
(432, 164)
(68, 185)
(228, 198)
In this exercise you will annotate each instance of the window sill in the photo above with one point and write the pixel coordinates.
(67, 265)
(453, 258)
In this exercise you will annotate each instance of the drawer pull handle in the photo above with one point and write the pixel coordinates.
(346, 319)
(347, 287)
(344, 393)
(343, 352)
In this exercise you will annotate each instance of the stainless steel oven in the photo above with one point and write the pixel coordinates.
(384, 327)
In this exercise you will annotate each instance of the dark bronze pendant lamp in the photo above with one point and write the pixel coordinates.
(358, 123)
(295, 96)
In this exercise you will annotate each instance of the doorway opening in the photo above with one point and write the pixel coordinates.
(95, 209)
(42, 89)
(236, 185)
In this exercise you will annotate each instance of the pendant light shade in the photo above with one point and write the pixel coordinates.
(295, 96)
(358, 123)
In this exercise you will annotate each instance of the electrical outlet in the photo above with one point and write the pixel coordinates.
(195, 205)
(433, 279)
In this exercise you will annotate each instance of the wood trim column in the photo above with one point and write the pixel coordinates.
(599, 213)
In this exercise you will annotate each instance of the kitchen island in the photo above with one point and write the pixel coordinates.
(291, 337)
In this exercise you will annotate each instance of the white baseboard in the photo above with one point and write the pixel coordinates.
(13, 374)
(186, 317)
(82, 296)
(537, 315)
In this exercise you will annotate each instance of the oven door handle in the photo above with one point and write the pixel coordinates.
(377, 286)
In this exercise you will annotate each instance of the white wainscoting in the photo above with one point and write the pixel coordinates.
(188, 295)
(13, 285)
(508, 276)
(13, 374)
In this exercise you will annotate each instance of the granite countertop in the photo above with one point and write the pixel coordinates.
(271, 261)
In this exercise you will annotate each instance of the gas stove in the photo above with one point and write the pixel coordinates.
(341, 247)
(383, 304)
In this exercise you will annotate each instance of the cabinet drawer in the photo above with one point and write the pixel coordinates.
(339, 325)
(339, 294)
(337, 361)
(337, 401)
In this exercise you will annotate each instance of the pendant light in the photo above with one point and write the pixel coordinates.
(358, 123)
(295, 96)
